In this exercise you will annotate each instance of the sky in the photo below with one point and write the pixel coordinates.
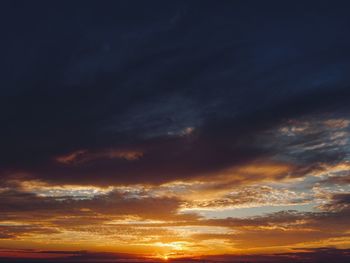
(180, 131)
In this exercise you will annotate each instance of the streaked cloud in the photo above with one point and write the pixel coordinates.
(176, 131)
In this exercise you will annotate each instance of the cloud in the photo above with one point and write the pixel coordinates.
(32, 255)
(137, 218)
(141, 85)
(112, 203)
(319, 254)
(82, 156)
(119, 117)
(338, 201)
(253, 196)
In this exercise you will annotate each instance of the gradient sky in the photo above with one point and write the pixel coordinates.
(141, 131)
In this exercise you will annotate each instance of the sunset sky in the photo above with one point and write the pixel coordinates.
(188, 131)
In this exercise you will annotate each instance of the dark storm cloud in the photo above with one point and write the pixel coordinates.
(133, 76)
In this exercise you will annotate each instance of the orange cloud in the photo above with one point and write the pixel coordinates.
(83, 156)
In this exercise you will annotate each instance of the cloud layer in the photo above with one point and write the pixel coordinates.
(175, 130)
